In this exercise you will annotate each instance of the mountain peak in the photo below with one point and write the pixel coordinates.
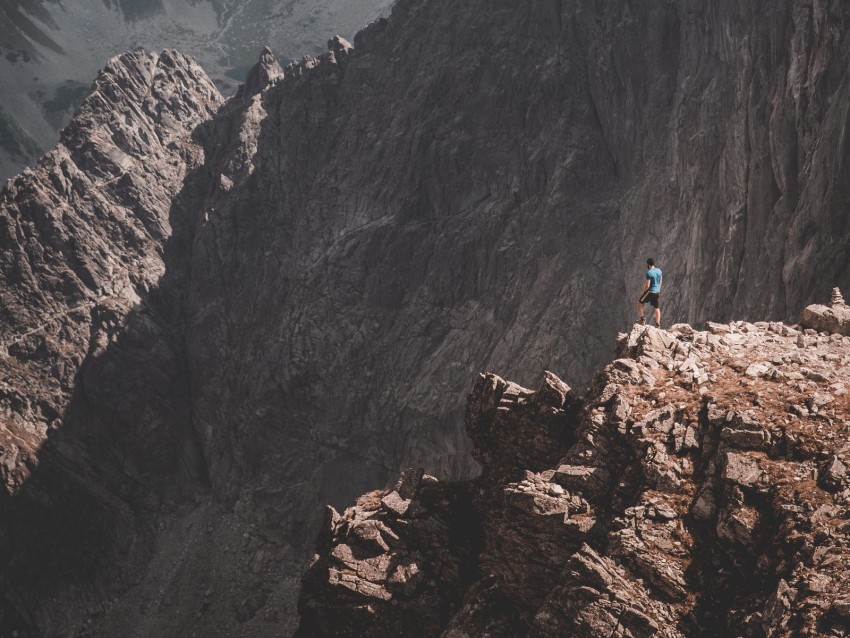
(340, 47)
(264, 73)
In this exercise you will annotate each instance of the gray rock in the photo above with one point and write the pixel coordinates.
(833, 474)
(778, 607)
(717, 328)
(757, 370)
(553, 392)
(832, 319)
(746, 439)
(581, 479)
(690, 442)
(395, 503)
(704, 505)
(738, 525)
(742, 470)
(620, 409)
(262, 75)
(555, 490)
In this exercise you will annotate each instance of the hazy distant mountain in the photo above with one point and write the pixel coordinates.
(50, 50)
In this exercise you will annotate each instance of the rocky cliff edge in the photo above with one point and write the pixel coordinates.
(699, 488)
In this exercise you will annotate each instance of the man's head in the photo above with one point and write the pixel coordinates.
(650, 262)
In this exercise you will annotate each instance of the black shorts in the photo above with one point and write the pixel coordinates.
(649, 297)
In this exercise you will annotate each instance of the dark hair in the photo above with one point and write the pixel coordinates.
(650, 262)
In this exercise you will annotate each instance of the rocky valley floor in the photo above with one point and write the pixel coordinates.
(699, 489)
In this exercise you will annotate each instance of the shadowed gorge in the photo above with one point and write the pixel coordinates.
(219, 315)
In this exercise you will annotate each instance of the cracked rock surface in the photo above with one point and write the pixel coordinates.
(684, 495)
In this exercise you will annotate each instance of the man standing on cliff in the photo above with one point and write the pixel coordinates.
(651, 292)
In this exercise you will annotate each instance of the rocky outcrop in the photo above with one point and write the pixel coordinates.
(368, 558)
(700, 489)
(95, 435)
(267, 71)
(834, 318)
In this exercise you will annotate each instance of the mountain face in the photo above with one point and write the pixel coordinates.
(50, 51)
(220, 315)
(700, 488)
(96, 426)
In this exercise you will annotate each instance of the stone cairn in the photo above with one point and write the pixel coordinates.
(837, 299)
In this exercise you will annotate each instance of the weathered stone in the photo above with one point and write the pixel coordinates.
(657, 569)
(553, 392)
(746, 439)
(777, 608)
(581, 479)
(690, 442)
(841, 606)
(742, 485)
(717, 328)
(620, 409)
(597, 599)
(742, 470)
(819, 400)
(833, 319)
(757, 370)
(405, 579)
(395, 503)
(262, 75)
(351, 239)
(340, 47)
(738, 525)
(817, 377)
(555, 490)
(833, 475)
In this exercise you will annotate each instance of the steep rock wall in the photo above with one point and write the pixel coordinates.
(478, 186)
(95, 432)
(473, 186)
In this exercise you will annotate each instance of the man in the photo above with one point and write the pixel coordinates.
(651, 291)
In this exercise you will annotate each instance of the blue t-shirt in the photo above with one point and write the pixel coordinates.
(654, 276)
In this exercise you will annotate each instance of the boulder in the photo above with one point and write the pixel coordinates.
(834, 318)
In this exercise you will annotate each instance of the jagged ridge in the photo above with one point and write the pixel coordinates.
(700, 489)
(96, 429)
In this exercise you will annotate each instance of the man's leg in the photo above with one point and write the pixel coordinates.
(658, 317)
(640, 311)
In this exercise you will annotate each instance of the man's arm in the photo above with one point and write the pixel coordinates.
(660, 281)
(646, 285)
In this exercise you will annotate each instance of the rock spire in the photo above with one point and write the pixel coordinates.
(264, 73)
